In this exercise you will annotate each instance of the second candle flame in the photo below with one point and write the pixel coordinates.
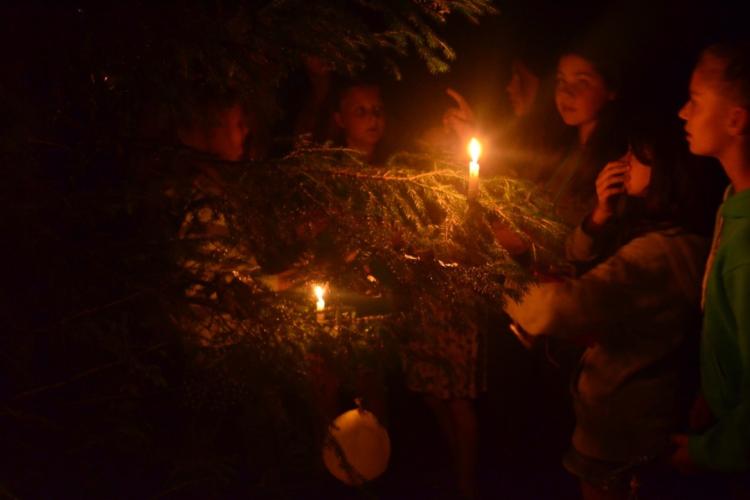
(320, 295)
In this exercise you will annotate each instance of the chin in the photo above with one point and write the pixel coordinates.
(697, 150)
(571, 121)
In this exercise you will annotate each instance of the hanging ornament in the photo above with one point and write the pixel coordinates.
(358, 447)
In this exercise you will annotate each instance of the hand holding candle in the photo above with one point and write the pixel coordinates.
(475, 149)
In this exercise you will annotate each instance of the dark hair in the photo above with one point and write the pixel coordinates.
(604, 61)
(736, 73)
(201, 107)
(682, 191)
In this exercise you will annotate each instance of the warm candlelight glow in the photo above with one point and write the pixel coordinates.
(475, 149)
(319, 295)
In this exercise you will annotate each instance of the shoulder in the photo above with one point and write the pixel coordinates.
(735, 249)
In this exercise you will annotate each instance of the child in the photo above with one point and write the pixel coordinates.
(360, 118)
(717, 123)
(216, 125)
(635, 310)
(585, 93)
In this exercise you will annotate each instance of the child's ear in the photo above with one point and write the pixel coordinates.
(338, 120)
(739, 121)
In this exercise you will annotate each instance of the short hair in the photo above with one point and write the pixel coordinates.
(735, 74)
(201, 107)
(343, 87)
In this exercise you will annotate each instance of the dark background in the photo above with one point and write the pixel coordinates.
(525, 419)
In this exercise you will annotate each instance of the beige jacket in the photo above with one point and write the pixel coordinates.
(637, 307)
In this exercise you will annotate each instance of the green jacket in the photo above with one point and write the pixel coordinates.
(725, 345)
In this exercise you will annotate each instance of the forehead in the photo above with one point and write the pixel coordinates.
(707, 76)
(573, 64)
(361, 95)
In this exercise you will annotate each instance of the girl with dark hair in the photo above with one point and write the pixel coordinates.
(636, 309)
(586, 92)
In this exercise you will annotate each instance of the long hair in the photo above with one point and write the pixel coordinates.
(683, 188)
(609, 140)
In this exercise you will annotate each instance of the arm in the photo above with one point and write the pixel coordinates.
(586, 242)
(620, 289)
(726, 445)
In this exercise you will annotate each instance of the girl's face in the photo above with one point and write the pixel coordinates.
(522, 89)
(638, 177)
(361, 117)
(580, 92)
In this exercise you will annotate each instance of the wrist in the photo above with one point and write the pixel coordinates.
(592, 226)
(599, 216)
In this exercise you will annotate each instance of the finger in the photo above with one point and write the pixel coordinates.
(616, 163)
(453, 114)
(610, 181)
(614, 168)
(611, 175)
(460, 101)
(606, 195)
(611, 191)
(618, 181)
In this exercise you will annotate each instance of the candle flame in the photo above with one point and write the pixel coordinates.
(320, 304)
(475, 149)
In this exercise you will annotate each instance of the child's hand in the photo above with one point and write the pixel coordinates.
(459, 119)
(680, 458)
(609, 184)
(701, 417)
(509, 239)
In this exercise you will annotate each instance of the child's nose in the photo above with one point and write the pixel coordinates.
(565, 88)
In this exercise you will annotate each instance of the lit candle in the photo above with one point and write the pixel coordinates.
(320, 304)
(475, 149)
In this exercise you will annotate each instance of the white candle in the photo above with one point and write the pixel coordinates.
(320, 304)
(475, 149)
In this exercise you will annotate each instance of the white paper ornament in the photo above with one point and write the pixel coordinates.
(358, 447)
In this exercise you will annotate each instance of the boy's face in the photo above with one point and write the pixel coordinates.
(580, 92)
(361, 117)
(707, 112)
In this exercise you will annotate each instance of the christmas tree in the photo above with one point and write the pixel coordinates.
(147, 353)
